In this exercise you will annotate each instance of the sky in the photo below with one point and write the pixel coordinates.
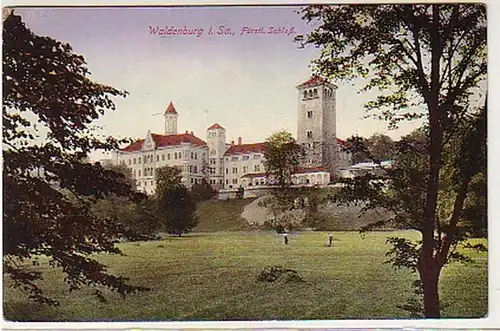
(245, 82)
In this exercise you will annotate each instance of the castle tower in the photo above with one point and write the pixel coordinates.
(216, 141)
(316, 123)
(171, 119)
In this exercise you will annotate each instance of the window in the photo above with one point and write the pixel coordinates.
(192, 180)
(157, 158)
(145, 159)
(245, 169)
(309, 134)
(220, 181)
(168, 156)
(227, 171)
(192, 155)
(129, 162)
(196, 156)
(235, 181)
(163, 157)
(315, 92)
(152, 183)
(305, 94)
(256, 168)
(138, 183)
(234, 158)
(246, 157)
(145, 183)
(138, 173)
(310, 114)
(256, 156)
(175, 155)
(134, 160)
(227, 181)
(235, 170)
(195, 169)
(139, 160)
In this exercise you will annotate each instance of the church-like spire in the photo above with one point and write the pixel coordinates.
(171, 119)
(171, 109)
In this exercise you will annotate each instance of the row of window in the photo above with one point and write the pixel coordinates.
(152, 182)
(212, 170)
(150, 171)
(313, 93)
(149, 158)
(256, 168)
(214, 181)
(244, 157)
(310, 93)
(213, 134)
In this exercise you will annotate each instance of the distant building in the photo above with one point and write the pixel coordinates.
(228, 166)
(363, 168)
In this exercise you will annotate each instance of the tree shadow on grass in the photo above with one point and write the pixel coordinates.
(29, 312)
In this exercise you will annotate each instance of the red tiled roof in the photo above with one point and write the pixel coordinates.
(167, 140)
(340, 141)
(246, 148)
(171, 109)
(313, 81)
(215, 126)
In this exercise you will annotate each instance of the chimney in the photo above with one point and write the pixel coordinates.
(232, 142)
(239, 141)
(187, 131)
(192, 133)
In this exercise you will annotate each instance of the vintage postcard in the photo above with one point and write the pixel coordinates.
(245, 163)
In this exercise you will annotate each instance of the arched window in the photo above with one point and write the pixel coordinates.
(305, 94)
(315, 92)
(310, 93)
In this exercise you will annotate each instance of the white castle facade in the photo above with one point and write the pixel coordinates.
(228, 166)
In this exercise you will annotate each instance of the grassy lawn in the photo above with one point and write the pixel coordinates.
(221, 215)
(211, 276)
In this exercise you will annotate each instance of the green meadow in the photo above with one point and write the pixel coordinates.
(212, 276)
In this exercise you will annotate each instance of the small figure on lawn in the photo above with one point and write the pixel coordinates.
(285, 238)
(330, 240)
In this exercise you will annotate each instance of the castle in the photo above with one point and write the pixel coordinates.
(232, 165)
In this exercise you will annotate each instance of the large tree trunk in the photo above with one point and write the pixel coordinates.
(430, 285)
(428, 266)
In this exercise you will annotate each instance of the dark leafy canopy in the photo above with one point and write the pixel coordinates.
(282, 157)
(428, 62)
(175, 205)
(379, 147)
(202, 191)
(49, 104)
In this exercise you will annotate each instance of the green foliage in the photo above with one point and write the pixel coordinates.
(282, 156)
(202, 191)
(428, 55)
(378, 147)
(175, 205)
(49, 189)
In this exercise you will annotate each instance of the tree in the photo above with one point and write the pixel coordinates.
(381, 147)
(124, 170)
(431, 56)
(282, 156)
(202, 191)
(176, 206)
(49, 188)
